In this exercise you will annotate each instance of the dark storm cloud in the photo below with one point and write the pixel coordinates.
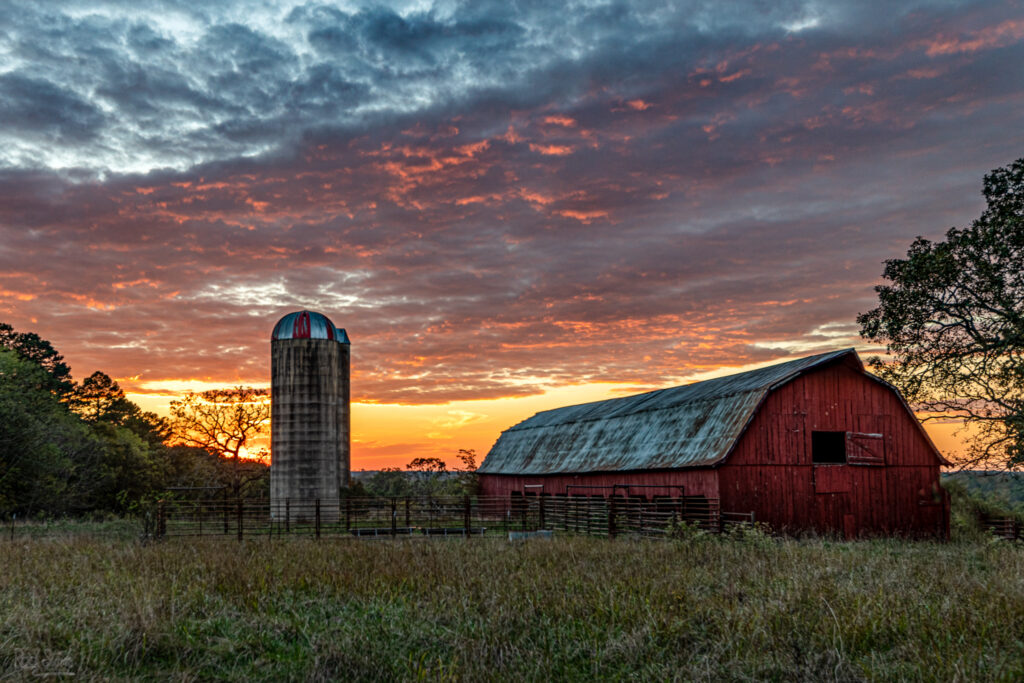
(44, 112)
(492, 197)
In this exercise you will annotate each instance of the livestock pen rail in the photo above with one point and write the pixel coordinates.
(449, 516)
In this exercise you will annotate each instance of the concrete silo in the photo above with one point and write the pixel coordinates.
(310, 435)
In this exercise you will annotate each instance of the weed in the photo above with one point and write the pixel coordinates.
(739, 606)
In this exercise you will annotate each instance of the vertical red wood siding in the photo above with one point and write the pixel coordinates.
(770, 471)
(703, 481)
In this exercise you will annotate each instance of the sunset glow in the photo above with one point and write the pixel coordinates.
(509, 209)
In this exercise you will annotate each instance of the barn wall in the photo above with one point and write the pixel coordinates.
(770, 472)
(695, 482)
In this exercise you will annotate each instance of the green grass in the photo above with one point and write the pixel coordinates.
(65, 528)
(572, 608)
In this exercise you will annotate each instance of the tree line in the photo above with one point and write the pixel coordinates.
(69, 447)
(422, 477)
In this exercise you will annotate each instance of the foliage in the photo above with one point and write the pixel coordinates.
(39, 437)
(468, 479)
(425, 477)
(389, 482)
(1002, 489)
(687, 532)
(224, 422)
(572, 609)
(68, 448)
(52, 461)
(952, 316)
(31, 347)
(755, 534)
(100, 399)
(433, 465)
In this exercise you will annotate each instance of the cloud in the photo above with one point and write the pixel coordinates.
(38, 110)
(492, 198)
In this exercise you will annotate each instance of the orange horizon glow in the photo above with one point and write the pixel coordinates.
(392, 434)
(506, 220)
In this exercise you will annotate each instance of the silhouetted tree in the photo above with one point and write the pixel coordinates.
(99, 399)
(225, 422)
(425, 477)
(952, 316)
(33, 348)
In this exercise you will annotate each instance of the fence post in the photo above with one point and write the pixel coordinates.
(348, 514)
(161, 525)
(317, 520)
(226, 510)
(408, 522)
(540, 510)
(611, 517)
(287, 515)
(394, 517)
(239, 518)
(466, 516)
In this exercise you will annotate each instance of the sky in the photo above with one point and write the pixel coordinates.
(509, 206)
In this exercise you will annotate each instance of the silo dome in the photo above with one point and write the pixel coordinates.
(307, 325)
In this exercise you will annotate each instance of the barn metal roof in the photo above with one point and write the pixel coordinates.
(307, 325)
(694, 425)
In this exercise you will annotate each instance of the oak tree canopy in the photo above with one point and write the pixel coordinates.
(951, 316)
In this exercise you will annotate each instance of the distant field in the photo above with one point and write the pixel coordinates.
(571, 608)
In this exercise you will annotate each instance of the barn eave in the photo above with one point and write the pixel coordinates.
(685, 427)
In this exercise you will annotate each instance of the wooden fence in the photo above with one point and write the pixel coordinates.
(459, 516)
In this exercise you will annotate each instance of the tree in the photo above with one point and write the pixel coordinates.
(468, 479)
(33, 348)
(100, 399)
(225, 422)
(390, 482)
(426, 477)
(67, 447)
(431, 465)
(44, 447)
(952, 317)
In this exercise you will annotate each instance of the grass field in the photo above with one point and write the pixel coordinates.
(571, 609)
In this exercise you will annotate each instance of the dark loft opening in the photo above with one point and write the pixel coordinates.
(828, 448)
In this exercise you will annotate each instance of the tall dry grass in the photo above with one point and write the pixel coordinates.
(569, 609)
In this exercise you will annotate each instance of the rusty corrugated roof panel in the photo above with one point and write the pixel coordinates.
(688, 426)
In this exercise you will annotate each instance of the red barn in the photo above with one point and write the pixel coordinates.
(812, 444)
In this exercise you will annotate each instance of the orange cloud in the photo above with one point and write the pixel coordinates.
(20, 296)
(1009, 31)
(734, 76)
(552, 150)
(583, 216)
(560, 120)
